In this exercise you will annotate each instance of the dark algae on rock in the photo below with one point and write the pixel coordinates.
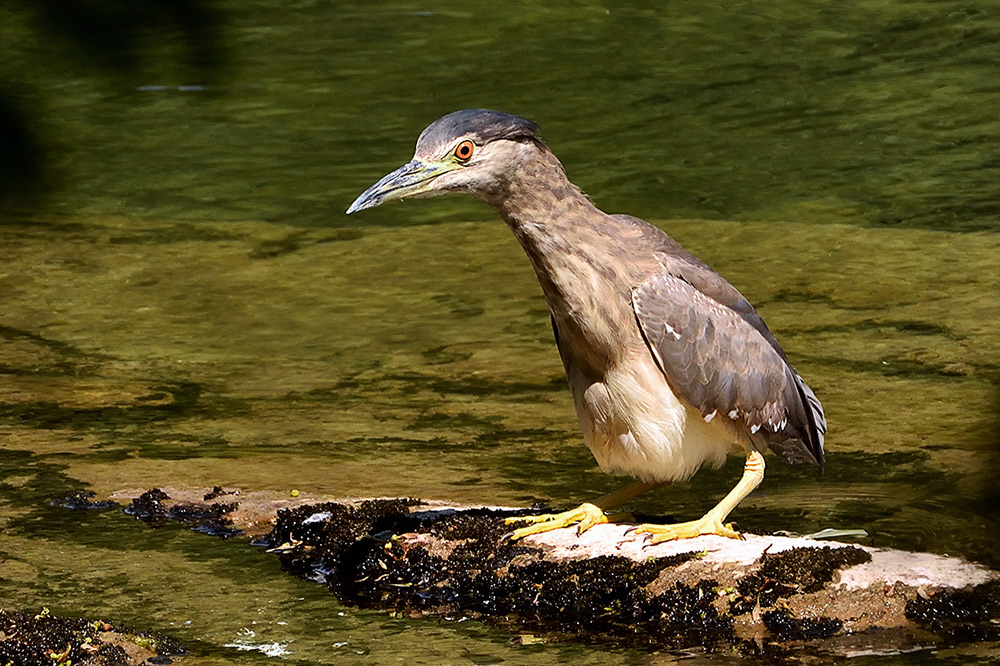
(761, 596)
(151, 508)
(795, 571)
(457, 563)
(83, 500)
(785, 626)
(314, 540)
(43, 639)
(960, 615)
(450, 561)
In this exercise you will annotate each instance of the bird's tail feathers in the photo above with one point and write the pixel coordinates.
(817, 419)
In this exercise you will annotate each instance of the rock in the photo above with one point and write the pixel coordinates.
(419, 558)
(43, 639)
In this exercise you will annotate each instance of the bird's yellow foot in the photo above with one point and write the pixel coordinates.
(584, 517)
(694, 528)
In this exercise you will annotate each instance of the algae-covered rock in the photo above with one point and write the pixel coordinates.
(608, 586)
(759, 594)
(43, 639)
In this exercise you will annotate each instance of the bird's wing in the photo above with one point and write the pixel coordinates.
(724, 361)
(677, 261)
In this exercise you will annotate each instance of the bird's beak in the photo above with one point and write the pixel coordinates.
(413, 179)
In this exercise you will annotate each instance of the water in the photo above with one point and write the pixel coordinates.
(185, 302)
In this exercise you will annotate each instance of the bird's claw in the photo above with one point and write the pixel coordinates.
(584, 517)
(654, 534)
(645, 536)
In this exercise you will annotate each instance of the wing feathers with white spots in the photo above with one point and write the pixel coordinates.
(722, 363)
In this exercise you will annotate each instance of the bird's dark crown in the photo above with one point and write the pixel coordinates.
(481, 125)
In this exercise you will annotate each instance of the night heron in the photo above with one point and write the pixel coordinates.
(669, 366)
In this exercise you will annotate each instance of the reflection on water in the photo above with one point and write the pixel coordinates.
(192, 307)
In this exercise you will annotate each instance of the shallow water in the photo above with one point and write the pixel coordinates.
(188, 304)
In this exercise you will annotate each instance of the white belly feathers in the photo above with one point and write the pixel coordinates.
(634, 424)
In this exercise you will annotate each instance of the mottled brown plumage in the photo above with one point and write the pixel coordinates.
(669, 366)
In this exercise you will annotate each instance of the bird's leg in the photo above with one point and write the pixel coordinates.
(584, 516)
(711, 522)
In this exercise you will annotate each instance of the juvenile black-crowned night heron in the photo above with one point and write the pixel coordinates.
(669, 366)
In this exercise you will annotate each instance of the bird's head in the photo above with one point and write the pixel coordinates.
(466, 151)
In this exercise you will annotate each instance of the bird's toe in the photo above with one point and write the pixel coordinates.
(654, 534)
(584, 517)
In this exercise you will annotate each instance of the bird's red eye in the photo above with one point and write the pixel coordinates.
(464, 150)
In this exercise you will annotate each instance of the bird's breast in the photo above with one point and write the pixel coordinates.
(592, 312)
(587, 264)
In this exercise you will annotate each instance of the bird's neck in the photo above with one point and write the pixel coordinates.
(543, 208)
(569, 242)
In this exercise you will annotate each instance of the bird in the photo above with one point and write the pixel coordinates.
(669, 366)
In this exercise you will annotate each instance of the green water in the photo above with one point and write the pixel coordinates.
(185, 303)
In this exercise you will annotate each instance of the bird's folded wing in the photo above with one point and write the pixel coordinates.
(720, 363)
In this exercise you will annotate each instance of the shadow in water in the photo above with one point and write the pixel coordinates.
(112, 39)
(21, 152)
(987, 503)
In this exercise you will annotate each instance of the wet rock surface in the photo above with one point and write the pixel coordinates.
(42, 639)
(764, 595)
